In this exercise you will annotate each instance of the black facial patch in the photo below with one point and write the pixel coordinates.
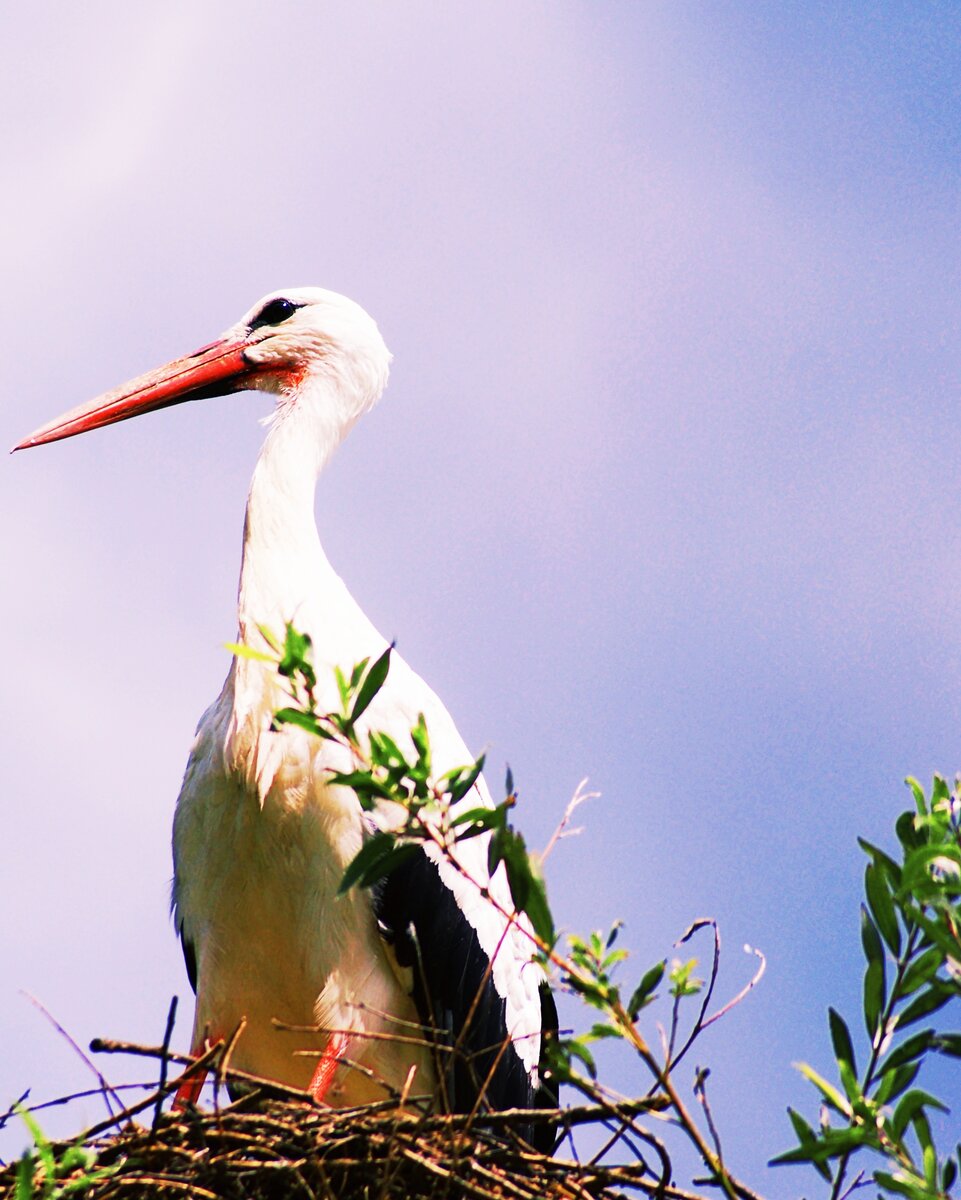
(274, 312)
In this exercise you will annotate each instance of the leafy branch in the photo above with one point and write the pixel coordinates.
(911, 935)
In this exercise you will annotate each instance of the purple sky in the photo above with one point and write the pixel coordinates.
(662, 490)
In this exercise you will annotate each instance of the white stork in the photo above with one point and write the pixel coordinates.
(261, 837)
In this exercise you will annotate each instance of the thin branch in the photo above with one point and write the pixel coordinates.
(168, 1033)
(60, 1101)
(197, 1064)
(105, 1088)
(19, 1102)
(562, 830)
(748, 987)
(700, 1091)
(223, 1062)
(708, 991)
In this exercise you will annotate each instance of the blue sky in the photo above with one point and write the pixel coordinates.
(661, 492)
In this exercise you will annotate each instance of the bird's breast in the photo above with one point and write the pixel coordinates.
(260, 847)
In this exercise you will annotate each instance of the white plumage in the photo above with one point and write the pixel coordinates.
(261, 836)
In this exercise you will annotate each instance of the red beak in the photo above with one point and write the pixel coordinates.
(213, 370)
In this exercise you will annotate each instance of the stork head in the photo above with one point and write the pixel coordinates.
(309, 347)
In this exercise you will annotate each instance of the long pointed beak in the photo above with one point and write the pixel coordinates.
(213, 370)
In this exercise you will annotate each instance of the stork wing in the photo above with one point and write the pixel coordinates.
(453, 987)
(190, 956)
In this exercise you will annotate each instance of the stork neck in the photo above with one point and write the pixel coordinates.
(284, 569)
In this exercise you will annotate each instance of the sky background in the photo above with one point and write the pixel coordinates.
(663, 491)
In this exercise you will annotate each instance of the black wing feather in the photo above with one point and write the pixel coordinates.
(190, 957)
(453, 989)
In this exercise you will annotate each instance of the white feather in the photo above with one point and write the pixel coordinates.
(261, 837)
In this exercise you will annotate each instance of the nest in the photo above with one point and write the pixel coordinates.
(272, 1144)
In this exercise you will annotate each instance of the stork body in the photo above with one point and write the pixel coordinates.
(261, 835)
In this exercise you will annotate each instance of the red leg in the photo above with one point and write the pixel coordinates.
(329, 1062)
(190, 1089)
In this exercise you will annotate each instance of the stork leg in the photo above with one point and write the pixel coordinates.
(330, 1060)
(190, 1089)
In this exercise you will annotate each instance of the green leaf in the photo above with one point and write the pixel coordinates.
(594, 993)
(458, 782)
(894, 1081)
(950, 1044)
(807, 1150)
(421, 740)
(870, 938)
(40, 1140)
(372, 853)
(682, 980)
(908, 834)
(482, 816)
(921, 970)
(902, 1184)
(929, 1001)
(800, 1154)
(910, 1049)
(881, 904)
(24, 1179)
(384, 751)
(805, 1134)
(919, 862)
(75, 1158)
(344, 685)
(935, 931)
(401, 853)
(929, 1157)
(303, 720)
(296, 657)
(841, 1041)
(269, 637)
(361, 781)
(517, 865)
(644, 992)
(527, 887)
(832, 1143)
(241, 651)
(600, 1031)
(913, 1103)
(830, 1093)
(939, 791)
(613, 958)
(495, 848)
(373, 682)
(873, 998)
(578, 1050)
(883, 861)
(539, 912)
(917, 791)
(380, 854)
(874, 981)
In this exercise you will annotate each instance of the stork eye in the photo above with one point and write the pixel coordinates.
(274, 312)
